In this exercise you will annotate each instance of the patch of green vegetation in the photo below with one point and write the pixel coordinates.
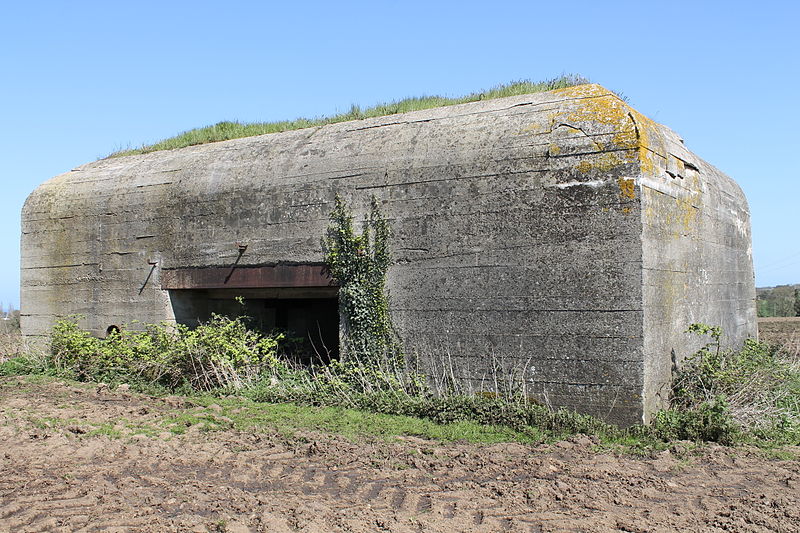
(49, 422)
(220, 414)
(731, 397)
(179, 422)
(221, 354)
(523, 416)
(223, 131)
(637, 443)
(287, 418)
(734, 396)
(779, 452)
(112, 428)
(359, 264)
(106, 429)
(22, 365)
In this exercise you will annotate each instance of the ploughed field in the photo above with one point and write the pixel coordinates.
(783, 331)
(86, 458)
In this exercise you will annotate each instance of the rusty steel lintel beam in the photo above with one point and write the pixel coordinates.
(262, 277)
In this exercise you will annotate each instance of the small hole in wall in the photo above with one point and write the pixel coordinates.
(112, 330)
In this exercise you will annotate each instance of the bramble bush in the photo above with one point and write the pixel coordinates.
(223, 353)
(728, 396)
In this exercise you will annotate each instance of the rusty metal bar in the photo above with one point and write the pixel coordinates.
(247, 277)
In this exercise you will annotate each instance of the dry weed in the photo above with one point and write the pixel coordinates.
(11, 345)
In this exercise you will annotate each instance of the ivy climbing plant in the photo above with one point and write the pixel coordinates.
(359, 264)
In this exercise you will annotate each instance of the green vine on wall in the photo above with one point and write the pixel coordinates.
(359, 263)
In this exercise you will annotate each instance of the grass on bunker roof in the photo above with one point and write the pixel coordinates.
(226, 130)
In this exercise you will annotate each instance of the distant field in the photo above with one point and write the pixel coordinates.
(10, 345)
(781, 330)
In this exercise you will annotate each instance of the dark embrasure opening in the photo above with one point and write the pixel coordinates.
(298, 300)
(308, 319)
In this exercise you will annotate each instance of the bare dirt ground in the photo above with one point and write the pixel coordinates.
(783, 331)
(57, 476)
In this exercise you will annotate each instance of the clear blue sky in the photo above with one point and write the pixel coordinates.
(81, 79)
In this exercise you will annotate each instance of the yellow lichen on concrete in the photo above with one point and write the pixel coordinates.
(645, 144)
(604, 162)
(686, 207)
(677, 216)
(533, 128)
(632, 131)
(686, 213)
(627, 188)
(582, 91)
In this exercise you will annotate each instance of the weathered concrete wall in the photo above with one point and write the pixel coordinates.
(527, 237)
(697, 260)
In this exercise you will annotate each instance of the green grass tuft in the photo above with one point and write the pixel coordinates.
(223, 131)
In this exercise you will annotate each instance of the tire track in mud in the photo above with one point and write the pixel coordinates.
(152, 484)
(399, 497)
(383, 494)
(45, 506)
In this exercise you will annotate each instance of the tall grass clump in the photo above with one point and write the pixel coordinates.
(11, 345)
(226, 130)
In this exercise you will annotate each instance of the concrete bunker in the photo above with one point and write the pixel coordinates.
(562, 236)
(299, 300)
